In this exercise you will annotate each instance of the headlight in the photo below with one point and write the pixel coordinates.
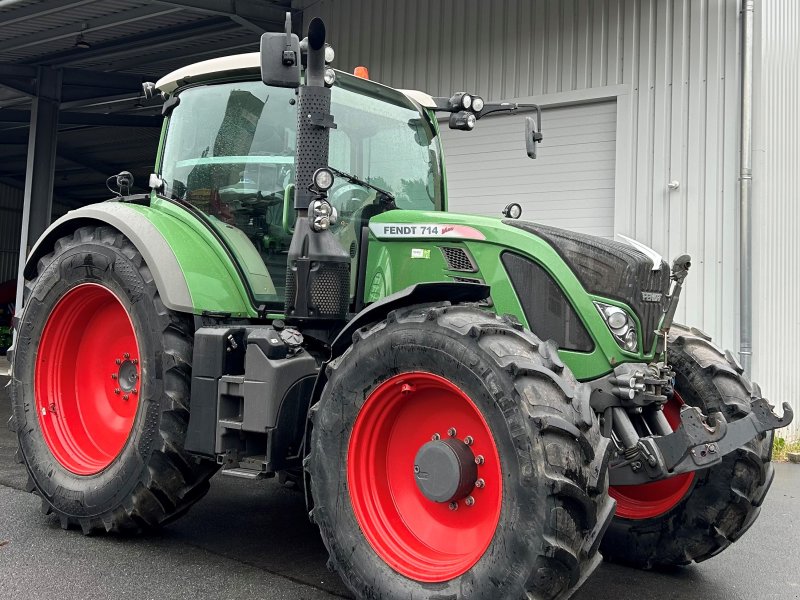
(323, 179)
(621, 325)
(477, 103)
(330, 77)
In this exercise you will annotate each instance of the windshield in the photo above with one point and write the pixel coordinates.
(230, 148)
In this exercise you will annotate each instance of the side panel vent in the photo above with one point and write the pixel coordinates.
(458, 259)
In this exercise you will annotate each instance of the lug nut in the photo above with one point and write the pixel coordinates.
(116, 390)
(468, 440)
(479, 459)
(451, 432)
(134, 391)
(453, 506)
(469, 501)
(114, 376)
(135, 361)
(436, 437)
(125, 397)
(118, 361)
(480, 483)
(126, 356)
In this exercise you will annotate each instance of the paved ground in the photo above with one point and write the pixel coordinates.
(252, 540)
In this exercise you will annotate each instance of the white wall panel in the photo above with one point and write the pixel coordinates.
(776, 206)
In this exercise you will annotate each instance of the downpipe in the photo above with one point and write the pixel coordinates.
(745, 192)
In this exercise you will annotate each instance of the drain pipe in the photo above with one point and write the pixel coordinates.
(745, 191)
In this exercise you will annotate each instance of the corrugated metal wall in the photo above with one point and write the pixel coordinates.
(10, 224)
(776, 205)
(673, 65)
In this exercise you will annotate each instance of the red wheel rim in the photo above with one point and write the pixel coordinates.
(650, 500)
(86, 381)
(424, 540)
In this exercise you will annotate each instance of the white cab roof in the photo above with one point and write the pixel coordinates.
(244, 63)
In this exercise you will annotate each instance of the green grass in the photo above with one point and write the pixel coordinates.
(781, 448)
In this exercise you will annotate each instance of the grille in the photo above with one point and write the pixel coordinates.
(547, 310)
(291, 286)
(330, 290)
(458, 260)
(467, 280)
(610, 269)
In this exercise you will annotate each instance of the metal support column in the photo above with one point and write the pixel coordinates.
(40, 169)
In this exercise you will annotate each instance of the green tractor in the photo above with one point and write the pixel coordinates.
(474, 407)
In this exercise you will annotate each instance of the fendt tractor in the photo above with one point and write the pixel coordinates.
(473, 407)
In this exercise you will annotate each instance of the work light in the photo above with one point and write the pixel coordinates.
(323, 179)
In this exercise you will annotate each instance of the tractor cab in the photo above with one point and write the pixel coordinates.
(230, 147)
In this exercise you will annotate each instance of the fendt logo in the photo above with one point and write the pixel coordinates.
(652, 296)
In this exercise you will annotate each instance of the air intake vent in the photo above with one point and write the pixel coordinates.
(467, 280)
(458, 259)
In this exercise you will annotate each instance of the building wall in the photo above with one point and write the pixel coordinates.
(10, 224)
(776, 203)
(672, 66)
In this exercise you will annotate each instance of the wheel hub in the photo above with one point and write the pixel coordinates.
(128, 375)
(445, 470)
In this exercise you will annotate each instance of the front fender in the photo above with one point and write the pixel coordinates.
(191, 275)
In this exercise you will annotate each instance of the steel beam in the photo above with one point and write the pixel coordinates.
(211, 49)
(135, 44)
(77, 118)
(247, 13)
(42, 140)
(104, 22)
(40, 9)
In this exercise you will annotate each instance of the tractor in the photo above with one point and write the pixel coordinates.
(474, 407)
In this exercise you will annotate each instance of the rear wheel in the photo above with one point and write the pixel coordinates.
(454, 455)
(100, 389)
(695, 516)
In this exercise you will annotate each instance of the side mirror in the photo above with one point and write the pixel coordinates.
(532, 136)
(280, 57)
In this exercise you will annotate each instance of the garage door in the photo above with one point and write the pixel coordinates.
(569, 185)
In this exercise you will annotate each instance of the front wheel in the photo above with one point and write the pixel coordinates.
(695, 516)
(455, 456)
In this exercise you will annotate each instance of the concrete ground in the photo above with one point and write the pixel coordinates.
(252, 540)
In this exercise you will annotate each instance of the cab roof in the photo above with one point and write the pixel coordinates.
(250, 63)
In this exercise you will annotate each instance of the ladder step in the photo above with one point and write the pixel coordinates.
(243, 473)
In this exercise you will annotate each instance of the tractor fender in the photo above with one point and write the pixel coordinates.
(420, 293)
(155, 250)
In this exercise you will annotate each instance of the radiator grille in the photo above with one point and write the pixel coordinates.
(458, 259)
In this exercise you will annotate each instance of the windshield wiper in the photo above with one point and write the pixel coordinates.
(384, 197)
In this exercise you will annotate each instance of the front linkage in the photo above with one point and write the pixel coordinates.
(631, 401)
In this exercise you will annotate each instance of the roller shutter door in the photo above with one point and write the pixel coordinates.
(569, 185)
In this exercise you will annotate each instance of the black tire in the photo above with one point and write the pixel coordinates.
(152, 480)
(724, 500)
(555, 505)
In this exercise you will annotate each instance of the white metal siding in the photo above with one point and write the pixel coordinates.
(776, 206)
(570, 184)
